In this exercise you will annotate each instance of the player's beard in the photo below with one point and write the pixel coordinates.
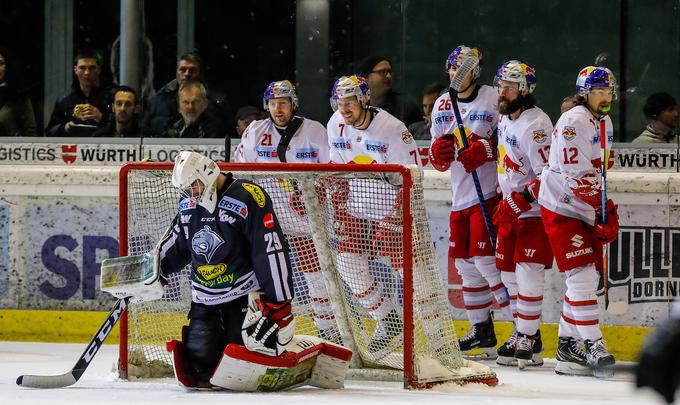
(506, 107)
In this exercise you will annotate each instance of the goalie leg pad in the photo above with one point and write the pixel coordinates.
(309, 360)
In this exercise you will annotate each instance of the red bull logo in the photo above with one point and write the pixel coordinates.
(569, 133)
(511, 166)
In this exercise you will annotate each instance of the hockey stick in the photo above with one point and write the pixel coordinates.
(466, 67)
(616, 307)
(72, 376)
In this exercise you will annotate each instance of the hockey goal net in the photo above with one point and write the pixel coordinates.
(364, 269)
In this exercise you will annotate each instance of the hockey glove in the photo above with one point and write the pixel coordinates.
(443, 152)
(657, 367)
(587, 189)
(268, 327)
(531, 192)
(607, 233)
(476, 154)
(510, 208)
(296, 203)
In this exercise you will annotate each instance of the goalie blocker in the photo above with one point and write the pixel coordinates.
(308, 360)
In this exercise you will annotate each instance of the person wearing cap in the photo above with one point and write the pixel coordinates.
(244, 116)
(378, 73)
(661, 112)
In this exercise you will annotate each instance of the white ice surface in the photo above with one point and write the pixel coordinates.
(100, 386)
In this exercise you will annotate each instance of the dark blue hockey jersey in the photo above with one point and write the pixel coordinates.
(237, 249)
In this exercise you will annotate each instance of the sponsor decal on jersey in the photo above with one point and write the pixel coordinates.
(480, 116)
(511, 139)
(510, 165)
(210, 271)
(306, 154)
(267, 152)
(579, 252)
(363, 160)
(69, 153)
(268, 221)
(218, 275)
(207, 219)
(186, 204)
(540, 136)
(257, 193)
(596, 137)
(341, 143)
(375, 146)
(569, 133)
(185, 218)
(206, 242)
(443, 118)
(224, 217)
(406, 137)
(234, 205)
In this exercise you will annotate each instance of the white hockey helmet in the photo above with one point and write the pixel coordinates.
(350, 86)
(191, 167)
(280, 89)
(517, 72)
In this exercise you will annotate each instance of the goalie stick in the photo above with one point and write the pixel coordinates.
(466, 67)
(73, 375)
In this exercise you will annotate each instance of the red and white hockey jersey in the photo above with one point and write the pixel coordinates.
(480, 116)
(523, 150)
(574, 154)
(260, 140)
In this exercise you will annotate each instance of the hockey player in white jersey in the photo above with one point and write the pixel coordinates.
(358, 133)
(470, 245)
(571, 199)
(287, 138)
(522, 249)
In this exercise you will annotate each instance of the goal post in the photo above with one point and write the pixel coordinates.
(365, 272)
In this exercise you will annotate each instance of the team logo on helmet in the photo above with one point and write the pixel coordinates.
(205, 243)
(350, 86)
(280, 89)
(517, 72)
(595, 76)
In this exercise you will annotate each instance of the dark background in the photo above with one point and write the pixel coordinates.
(247, 44)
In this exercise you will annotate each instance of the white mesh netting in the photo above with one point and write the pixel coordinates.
(349, 256)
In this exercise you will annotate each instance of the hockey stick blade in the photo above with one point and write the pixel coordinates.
(72, 376)
(466, 67)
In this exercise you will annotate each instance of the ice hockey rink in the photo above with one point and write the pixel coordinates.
(99, 385)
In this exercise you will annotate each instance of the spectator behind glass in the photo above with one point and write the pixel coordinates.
(568, 103)
(244, 116)
(87, 105)
(125, 119)
(16, 110)
(378, 73)
(196, 121)
(163, 110)
(421, 129)
(661, 112)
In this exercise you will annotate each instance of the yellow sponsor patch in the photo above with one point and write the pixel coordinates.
(210, 271)
(256, 192)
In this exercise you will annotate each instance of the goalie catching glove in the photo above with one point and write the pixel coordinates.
(268, 327)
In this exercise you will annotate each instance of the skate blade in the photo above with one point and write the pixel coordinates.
(506, 361)
(481, 353)
(568, 368)
(603, 373)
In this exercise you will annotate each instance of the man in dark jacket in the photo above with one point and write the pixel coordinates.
(163, 110)
(196, 121)
(125, 121)
(87, 106)
(378, 73)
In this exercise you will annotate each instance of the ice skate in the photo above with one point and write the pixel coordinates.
(599, 358)
(506, 352)
(480, 336)
(571, 358)
(529, 348)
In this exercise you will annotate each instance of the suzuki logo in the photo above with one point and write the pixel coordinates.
(577, 240)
